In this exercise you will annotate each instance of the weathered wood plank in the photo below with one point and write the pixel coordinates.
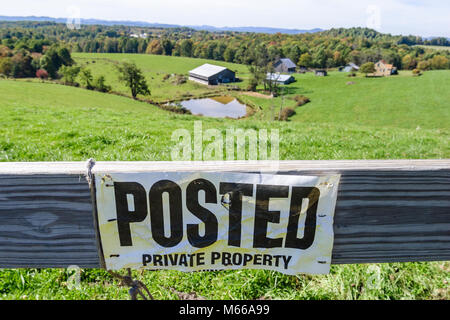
(386, 211)
(46, 221)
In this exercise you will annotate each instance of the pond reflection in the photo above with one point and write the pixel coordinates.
(217, 107)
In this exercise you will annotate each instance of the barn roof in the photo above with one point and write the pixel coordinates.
(288, 63)
(207, 70)
(278, 77)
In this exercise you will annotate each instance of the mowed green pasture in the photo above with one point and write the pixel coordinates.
(401, 101)
(50, 122)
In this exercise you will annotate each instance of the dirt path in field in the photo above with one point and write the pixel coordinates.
(256, 94)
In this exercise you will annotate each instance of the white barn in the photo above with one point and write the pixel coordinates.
(210, 74)
(280, 78)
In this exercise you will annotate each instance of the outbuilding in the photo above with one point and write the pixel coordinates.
(350, 67)
(285, 65)
(212, 75)
(321, 72)
(280, 78)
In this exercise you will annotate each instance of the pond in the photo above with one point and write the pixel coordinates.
(217, 107)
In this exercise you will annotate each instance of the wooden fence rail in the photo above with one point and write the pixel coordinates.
(386, 211)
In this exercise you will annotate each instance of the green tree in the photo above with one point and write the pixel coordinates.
(100, 84)
(305, 60)
(6, 66)
(133, 78)
(229, 54)
(186, 48)
(408, 62)
(368, 67)
(167, 47)
(69, 73)
(423, 65)
(439, 62)
(86, 78)
(54, 58)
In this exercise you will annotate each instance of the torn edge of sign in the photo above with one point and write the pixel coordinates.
(218, 256)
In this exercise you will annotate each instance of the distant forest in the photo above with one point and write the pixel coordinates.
(29, 41)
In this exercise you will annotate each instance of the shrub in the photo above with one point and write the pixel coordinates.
(424, 65)
(166, 77)
(100, 85)
(301, 100)
(69, 74)
(42, 74)
(86, 78)
(179, 79)
(439, 62)
(285, 113)
(368, 67)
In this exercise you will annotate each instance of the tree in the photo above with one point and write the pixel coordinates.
(439, 62)
(368, 67)
(408, 62)
(21, 65)
(6, 66)
(320, 58)
(154, 47)
(54, 58)
(305, 60)
(259, 65)
(186, 48)
(133, 78)
(86, 78)
(100, 84)
(167, 47)
(423, 65)
(69, 73)
(229, 54)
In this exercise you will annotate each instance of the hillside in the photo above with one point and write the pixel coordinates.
(48, 122)
(402, 101)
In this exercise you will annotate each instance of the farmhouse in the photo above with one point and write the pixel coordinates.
(212, 75)
(284, 65)
(382, 68)
(280, 78)
(321, 72)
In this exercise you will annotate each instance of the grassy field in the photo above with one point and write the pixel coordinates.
(394, 118)
(401, 101)
(155, 68)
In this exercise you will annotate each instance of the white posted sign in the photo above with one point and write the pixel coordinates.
(192, 221)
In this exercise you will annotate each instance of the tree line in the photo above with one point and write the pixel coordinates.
(30, 49)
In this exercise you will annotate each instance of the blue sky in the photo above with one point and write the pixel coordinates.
(418, 17)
